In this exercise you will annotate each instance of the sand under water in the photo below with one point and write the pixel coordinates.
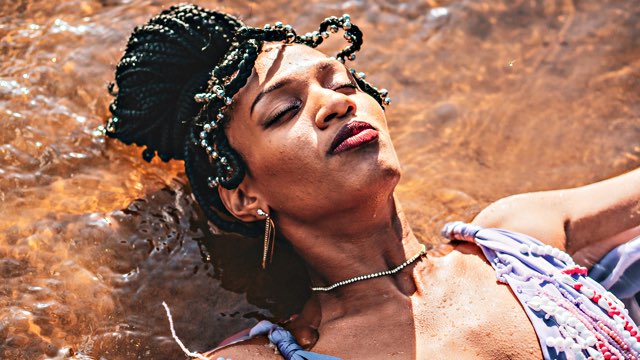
(490, 98)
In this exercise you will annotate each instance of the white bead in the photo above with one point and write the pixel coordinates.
(575, 348)
(619, 304)
(603, 304)
(534, 303)
(550, 341)
(555, 252)
(587, 292)
(561, 318)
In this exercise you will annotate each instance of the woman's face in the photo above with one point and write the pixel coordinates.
(313, 142)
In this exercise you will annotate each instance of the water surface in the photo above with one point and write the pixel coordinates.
(490, 98)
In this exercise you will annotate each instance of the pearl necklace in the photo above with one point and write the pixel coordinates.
(420, 254)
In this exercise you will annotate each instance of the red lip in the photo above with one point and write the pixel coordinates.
(351, 135)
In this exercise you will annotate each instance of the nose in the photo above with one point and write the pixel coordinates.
(335, 106)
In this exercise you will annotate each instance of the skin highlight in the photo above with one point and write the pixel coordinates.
(340, 215)
(339, 212)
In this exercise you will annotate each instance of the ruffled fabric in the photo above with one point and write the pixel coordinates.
(619, 272)
(573, 315)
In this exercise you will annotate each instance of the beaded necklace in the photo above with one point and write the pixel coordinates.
(409, 261)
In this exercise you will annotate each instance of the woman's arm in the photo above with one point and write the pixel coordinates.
(587, 221)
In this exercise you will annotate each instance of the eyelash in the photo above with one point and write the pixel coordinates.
(352, 85)
(296, 104)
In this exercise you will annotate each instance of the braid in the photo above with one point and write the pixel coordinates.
(210, 203)
(176, 83)
(154, 103)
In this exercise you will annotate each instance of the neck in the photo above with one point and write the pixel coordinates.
(361, 241)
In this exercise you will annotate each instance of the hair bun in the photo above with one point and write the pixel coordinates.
(166, 62)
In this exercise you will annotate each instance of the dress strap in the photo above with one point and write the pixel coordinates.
(460, 231)
(284, 341)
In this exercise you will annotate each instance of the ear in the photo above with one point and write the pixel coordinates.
(242, 202)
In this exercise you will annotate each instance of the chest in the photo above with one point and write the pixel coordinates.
(460, 312)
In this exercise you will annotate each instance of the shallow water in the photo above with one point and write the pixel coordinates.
(490, 98)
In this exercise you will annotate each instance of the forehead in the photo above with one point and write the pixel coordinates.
(277, 61)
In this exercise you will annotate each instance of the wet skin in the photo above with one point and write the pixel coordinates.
(339, 213)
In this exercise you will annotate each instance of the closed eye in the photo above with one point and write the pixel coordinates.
(345, 85)
(293, 106)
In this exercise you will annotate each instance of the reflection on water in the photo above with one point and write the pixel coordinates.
(490, 98)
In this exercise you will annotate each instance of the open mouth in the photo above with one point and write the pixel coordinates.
(352, 135)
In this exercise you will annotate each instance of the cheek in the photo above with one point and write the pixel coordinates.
(290, 155)
(372, 109)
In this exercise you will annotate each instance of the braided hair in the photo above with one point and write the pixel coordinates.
(176, 81)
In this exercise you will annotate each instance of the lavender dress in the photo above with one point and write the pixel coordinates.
(574, 316)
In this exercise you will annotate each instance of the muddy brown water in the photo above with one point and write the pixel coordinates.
(490, 98)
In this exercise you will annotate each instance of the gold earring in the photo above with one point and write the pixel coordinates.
(269, 239)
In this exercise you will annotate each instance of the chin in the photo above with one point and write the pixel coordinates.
(390, 175)
(382, 176)
(373, 168)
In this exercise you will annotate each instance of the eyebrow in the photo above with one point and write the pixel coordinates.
(278, 85)
(320, 67)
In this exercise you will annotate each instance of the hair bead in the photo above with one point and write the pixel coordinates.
(209, 57)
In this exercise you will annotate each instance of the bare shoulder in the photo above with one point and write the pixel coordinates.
(541, 215)
(597, 216)
(255, 348)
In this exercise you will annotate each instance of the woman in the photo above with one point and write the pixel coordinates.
(274, 132)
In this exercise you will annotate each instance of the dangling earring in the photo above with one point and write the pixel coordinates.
(269, 239)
